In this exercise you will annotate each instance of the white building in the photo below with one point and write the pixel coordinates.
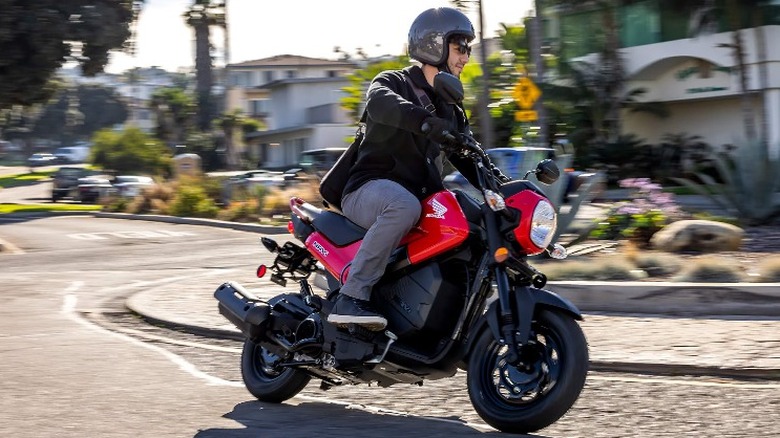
(694, 73)
(298, 99)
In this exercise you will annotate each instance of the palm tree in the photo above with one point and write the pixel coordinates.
(228, 122)
(201, 17)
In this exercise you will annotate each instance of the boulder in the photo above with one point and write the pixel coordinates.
(698, 235)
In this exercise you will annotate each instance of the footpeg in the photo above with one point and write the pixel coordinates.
(391, 338)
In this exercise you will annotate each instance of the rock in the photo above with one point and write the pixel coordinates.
(698, 235)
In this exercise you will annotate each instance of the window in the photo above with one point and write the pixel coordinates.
(640, 24)
(289, 74)
(268, 76)
(258, 107)
(332, 73)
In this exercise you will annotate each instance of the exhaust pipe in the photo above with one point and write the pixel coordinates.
(242, 308)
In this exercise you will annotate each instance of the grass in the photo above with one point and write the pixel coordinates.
(24, 179)
(37, 208)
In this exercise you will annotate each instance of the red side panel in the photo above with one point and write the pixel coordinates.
(442, 226)
(335, 259)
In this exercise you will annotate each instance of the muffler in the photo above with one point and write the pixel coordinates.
(242, 308)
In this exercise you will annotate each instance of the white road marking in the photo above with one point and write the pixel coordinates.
(68, 308)
(145, 234)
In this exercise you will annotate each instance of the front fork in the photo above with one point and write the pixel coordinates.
(514, 320)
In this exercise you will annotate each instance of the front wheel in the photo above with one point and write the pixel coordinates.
(522, 398)
(265, 379)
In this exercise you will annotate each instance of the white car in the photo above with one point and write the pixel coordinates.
(41, 159)
(92, 188)
(132, 185)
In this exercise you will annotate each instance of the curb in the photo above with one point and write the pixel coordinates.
(676, 299)
(646, 368)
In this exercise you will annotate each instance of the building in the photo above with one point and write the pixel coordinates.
(297, 98)
(683, 54)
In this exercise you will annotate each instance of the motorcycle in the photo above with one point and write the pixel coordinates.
(458, 294)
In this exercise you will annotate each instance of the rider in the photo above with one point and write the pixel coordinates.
(398, 162)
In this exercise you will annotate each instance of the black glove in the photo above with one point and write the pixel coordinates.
(437, 130)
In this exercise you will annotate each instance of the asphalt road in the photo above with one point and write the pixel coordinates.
(66, 376)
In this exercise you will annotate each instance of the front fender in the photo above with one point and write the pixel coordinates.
(526, 301)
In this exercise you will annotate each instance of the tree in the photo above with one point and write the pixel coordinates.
(38, 37)
(201, 17)
(175, 113)
(354, 101)
(130, 151)
(99, 106)
(228, 122)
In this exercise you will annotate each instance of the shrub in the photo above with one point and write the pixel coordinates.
(769, 270)
(649, 210)
(605, 269)
(658, 264)
(710, 270)
(192, 201)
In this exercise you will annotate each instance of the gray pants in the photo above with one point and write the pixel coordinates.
(388, 211)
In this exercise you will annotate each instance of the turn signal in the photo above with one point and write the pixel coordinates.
(261, 270)
(501, 255)
(290, 228)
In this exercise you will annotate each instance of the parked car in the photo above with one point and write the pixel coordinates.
(92, 188)
(515, 162)
(319, 161)
(260, 178)
(72, 154)
(41, 159)
(131, 185)
(65, 182)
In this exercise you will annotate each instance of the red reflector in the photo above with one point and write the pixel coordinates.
(290, 227)
(261, 270)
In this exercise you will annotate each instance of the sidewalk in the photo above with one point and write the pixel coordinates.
(705, 346)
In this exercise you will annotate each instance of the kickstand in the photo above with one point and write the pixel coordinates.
(391, 338)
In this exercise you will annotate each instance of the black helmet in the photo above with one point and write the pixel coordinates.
(431, 31)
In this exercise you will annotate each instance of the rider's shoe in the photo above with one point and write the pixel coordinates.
(349, 310)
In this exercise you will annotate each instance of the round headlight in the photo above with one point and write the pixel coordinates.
(543, 224)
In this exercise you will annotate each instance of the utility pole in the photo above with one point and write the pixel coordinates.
(536, 46)
(486, 124)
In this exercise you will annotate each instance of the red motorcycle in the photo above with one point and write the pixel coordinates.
(525, 355)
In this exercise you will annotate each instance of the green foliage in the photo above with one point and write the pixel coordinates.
(192, 200)
(130, 151)
(100, 107)
(175, 113)
(361, 78)
(750, 183)
(38, 37)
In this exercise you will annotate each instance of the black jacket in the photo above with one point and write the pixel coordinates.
(394, 148)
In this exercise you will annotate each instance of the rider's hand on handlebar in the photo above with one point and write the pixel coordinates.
(436, 130)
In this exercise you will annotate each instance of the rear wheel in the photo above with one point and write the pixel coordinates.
(522, 399)
(265, 379)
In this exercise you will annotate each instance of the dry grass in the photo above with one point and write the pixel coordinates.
(711, 269)
(769, 270)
